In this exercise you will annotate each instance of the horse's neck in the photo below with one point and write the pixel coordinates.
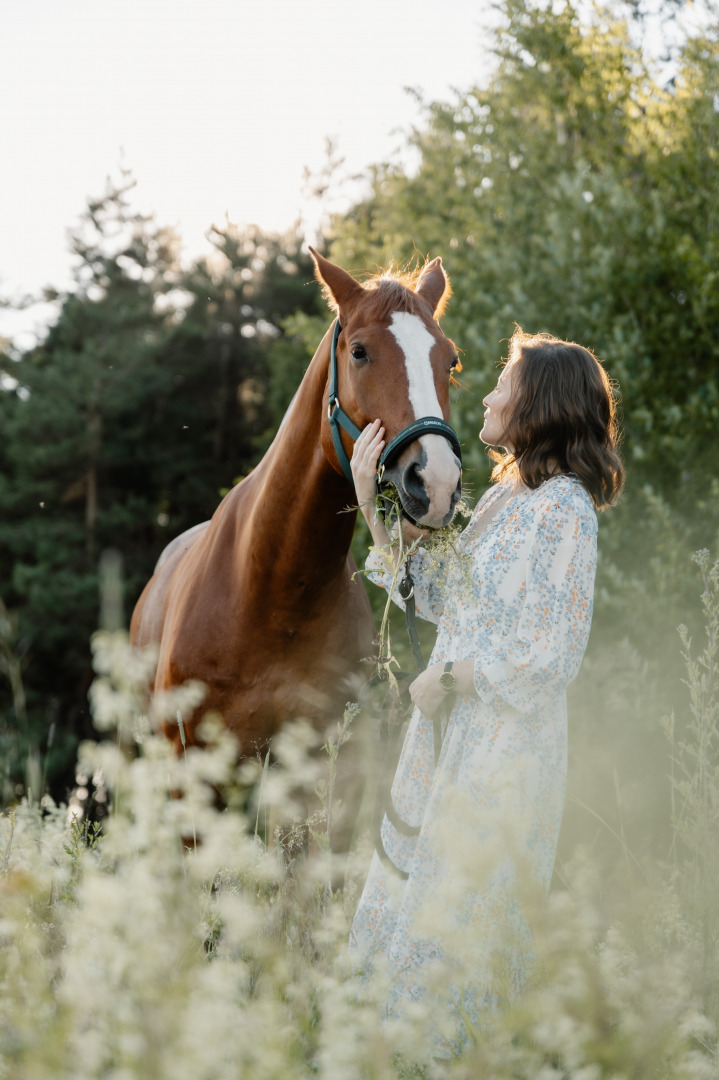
(299, 499)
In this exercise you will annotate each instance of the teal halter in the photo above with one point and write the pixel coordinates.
(336, 413)
(426, 425)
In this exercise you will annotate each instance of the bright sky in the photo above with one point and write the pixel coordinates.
(215, 105)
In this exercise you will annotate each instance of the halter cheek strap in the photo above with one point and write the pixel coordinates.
(336, 414)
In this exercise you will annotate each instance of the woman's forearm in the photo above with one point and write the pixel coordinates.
(377, 527)
(383, 539)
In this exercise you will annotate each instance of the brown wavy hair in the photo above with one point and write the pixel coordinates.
(562, 418)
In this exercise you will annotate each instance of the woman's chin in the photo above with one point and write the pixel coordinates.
(490, 438)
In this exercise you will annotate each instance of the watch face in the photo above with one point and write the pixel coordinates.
(447, 680)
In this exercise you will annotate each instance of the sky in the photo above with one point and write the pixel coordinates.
(216, 106)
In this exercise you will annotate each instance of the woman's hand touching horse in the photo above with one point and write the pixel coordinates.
(365, 456)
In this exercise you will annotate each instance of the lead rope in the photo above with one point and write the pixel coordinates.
(406, 591)
(384, 805)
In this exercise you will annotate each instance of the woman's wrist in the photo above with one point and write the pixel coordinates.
(432, 697)
(463, 671)
(377, 528)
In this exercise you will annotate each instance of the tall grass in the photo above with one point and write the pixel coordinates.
(176, 943)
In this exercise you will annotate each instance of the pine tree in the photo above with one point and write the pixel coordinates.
(152, 394)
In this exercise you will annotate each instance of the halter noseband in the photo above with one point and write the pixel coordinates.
(426, 425)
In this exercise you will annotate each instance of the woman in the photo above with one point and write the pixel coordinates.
(513, 613)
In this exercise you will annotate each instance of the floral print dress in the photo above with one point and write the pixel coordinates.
(518, 600)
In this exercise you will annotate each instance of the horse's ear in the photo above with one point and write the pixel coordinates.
(434, 287)
(340, 289)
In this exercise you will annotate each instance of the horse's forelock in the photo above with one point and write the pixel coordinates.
(408, 275)
(394, 294)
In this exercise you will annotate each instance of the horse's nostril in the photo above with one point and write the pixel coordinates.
(414, 484)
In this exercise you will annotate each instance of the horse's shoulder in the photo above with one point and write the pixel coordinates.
(181, 543)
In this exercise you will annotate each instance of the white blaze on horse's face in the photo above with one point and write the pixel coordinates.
(437, 474)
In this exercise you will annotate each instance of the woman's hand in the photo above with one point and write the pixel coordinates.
(428, 694)
(365, 455)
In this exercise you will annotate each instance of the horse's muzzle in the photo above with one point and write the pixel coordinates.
(428, 484)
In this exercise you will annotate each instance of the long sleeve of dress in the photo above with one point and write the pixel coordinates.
(531, 666)
(428, 574)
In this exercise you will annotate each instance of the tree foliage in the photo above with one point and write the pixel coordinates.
(152, 392)
(573, 193)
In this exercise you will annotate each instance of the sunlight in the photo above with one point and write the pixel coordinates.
(226, 107)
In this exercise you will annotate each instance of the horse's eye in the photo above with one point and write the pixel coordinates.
(359, 354)
(455, 364)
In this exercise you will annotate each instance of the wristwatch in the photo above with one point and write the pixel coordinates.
(447, 679)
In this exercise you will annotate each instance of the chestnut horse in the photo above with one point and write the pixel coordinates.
(259, 603)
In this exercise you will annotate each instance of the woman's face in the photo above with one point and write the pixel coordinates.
(496, 408)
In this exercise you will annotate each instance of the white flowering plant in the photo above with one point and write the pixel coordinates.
(179, 941)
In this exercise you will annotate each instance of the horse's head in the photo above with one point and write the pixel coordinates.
(394, 362)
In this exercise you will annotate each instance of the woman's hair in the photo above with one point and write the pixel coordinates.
(562, 418)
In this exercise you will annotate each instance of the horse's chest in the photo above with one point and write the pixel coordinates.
(269, 652)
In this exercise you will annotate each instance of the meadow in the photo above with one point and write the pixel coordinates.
(174, 939)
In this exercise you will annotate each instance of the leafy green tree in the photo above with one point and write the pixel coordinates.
(157, 387)
(573, 190)
(574, 193)
(243, 299)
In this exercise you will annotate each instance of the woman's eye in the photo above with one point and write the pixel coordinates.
(359, 354)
